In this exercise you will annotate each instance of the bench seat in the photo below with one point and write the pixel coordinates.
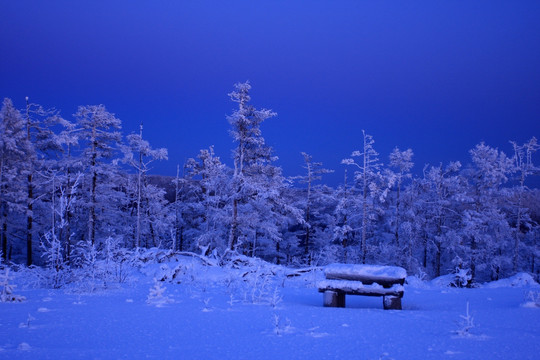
(367, 280)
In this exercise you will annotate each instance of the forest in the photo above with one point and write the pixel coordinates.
(70, 187)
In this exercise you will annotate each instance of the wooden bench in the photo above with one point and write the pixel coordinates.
(368, 280)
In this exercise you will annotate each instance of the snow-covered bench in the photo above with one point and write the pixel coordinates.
(369, 280)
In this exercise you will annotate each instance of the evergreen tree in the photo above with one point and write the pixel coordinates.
(257, 186)
(314, 172)
(12, 154)
(99, 137)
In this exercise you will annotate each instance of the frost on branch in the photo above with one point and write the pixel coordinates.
(466, 324)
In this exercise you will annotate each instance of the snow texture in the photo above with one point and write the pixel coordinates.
(214, 317)
(369, 271)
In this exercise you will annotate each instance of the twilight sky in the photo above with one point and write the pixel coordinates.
(435, 76)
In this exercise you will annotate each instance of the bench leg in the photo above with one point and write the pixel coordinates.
(391, 302)
(334, 299)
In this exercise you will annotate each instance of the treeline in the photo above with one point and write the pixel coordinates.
(70, 185)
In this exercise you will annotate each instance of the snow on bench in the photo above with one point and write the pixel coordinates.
(368, 280)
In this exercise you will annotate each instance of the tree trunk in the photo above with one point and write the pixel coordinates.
(364, 205)
(518, 225)
(473, 259)
(396, 231)
(30, 200)
(234, 226)
(29, 221)
(92, 215)
(4, 234)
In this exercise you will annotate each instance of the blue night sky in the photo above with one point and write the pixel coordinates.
(435, 76)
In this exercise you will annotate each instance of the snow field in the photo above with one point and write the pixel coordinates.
(248, 313)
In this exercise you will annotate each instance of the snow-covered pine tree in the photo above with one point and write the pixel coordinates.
(12, 154)
(213, 179)
(314, 172)
(99, 137)
(250, 150)
(257, 207)
(157, 296)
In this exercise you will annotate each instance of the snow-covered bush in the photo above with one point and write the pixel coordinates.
(117, 260)
(100, 267)
(89, 271)
(6, 289)
(57, 269)
(156, 296)
(460, 278)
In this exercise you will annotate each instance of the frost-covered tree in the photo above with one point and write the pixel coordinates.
(69, 168)
(343, 231)
(187, 208)
(401, 162)
(37, 145)
(139, 155)
(524, 167)
(438, 196)
(213, 179)
(314, 172)
(367, 180)
(258, 209)
(99, 137)
(12, 145)
(250, 155)
(484, 225)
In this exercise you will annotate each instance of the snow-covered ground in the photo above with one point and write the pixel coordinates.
(255, 312)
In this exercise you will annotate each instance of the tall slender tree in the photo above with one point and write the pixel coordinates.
(367, 179)
(100, 137)
(139, 155)
(12, 154)
(314, 172)
(250, 154)
(524, 167)
(402, 162)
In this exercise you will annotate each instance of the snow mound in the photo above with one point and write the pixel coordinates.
(518, 280)
(415, 282)
(24, 347)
